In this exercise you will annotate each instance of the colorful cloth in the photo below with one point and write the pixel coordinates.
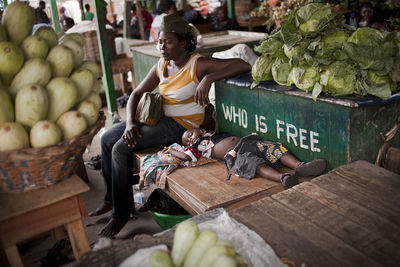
(250, 152)
(154, 168)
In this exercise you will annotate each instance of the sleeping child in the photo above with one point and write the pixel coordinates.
(246, 157)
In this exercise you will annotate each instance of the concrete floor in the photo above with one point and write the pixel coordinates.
(35, 249)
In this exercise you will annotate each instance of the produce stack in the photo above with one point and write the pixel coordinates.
(191, 248)
(316, 51)
(48, 94)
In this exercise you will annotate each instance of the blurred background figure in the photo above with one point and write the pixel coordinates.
(88, 15)
(40, 14)
(62, 16)
(165, 7)
(147, 20)
(220, 21)
(68, 23)
(368, 18)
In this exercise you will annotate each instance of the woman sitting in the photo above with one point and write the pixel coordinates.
(184, 79)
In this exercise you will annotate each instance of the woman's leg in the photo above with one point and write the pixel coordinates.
(107, 142)
(164, 133)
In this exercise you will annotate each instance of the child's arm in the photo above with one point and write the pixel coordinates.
(178, 154)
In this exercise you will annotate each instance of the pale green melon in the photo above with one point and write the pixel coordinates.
(45, 133)
(11, 58)
(13, 136)
(35, 71)
(35, 46)
(6, 106)
(77, 37)
(97, 86)
(77, 50)
(89, 111)
(18, 19)
(48, 34)
(83, 79)
(61, 60)
(3, 34)
(31, 105)
(95, 99)
(72, 123)
(92, 66)
(63, 96)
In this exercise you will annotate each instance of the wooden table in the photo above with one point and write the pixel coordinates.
(25, 215)
(348, 217)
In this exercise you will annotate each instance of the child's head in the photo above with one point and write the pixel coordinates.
(190, 136)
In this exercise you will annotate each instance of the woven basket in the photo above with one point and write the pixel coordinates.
(91, 46)
(33, 168)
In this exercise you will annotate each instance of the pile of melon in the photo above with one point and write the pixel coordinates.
(48, 93)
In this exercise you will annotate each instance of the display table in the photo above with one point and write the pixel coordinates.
(348, 217)
(340, 130)
(25, 215)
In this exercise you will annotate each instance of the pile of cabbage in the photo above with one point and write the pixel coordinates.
(317, 52)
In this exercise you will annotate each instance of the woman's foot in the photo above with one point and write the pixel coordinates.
(310, 168)
(113, 227)
(104, 208)
(289, 180)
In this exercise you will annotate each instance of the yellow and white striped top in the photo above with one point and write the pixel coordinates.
(178, 93)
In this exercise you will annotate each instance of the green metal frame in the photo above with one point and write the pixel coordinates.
(54, 16)
(99, 7)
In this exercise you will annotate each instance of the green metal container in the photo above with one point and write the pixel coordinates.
(340, 130)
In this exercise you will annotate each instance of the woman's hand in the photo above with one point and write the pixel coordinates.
(130, 134)
(202, 90)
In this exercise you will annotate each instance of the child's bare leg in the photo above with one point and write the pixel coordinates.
(267, 172)
(290, 161)
(288, 180)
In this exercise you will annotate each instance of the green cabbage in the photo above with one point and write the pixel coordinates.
(381, 86)
(339, 79)
(261, 70)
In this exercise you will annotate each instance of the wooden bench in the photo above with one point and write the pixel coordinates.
(202, 188)
(28, 214)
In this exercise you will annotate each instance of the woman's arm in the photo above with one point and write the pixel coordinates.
(147, 85)
(210, 70)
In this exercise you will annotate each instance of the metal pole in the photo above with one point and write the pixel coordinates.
(99, 8)
(231, 8)
(54, 16)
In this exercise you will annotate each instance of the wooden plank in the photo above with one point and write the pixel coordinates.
(286, 240)
(372, 178)
(367, 169)
(78, 238)
(208, 188)
(352, 211)
(29, 224)
(15, 204)
(14, 259)
(368, 242)
(352, 192)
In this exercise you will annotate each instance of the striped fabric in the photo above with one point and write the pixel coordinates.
(178, 93)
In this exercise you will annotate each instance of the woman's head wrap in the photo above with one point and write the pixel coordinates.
(174, 23)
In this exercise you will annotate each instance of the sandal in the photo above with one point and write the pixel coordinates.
(310, 168)
(289, 180)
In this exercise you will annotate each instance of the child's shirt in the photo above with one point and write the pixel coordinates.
(204, 144)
